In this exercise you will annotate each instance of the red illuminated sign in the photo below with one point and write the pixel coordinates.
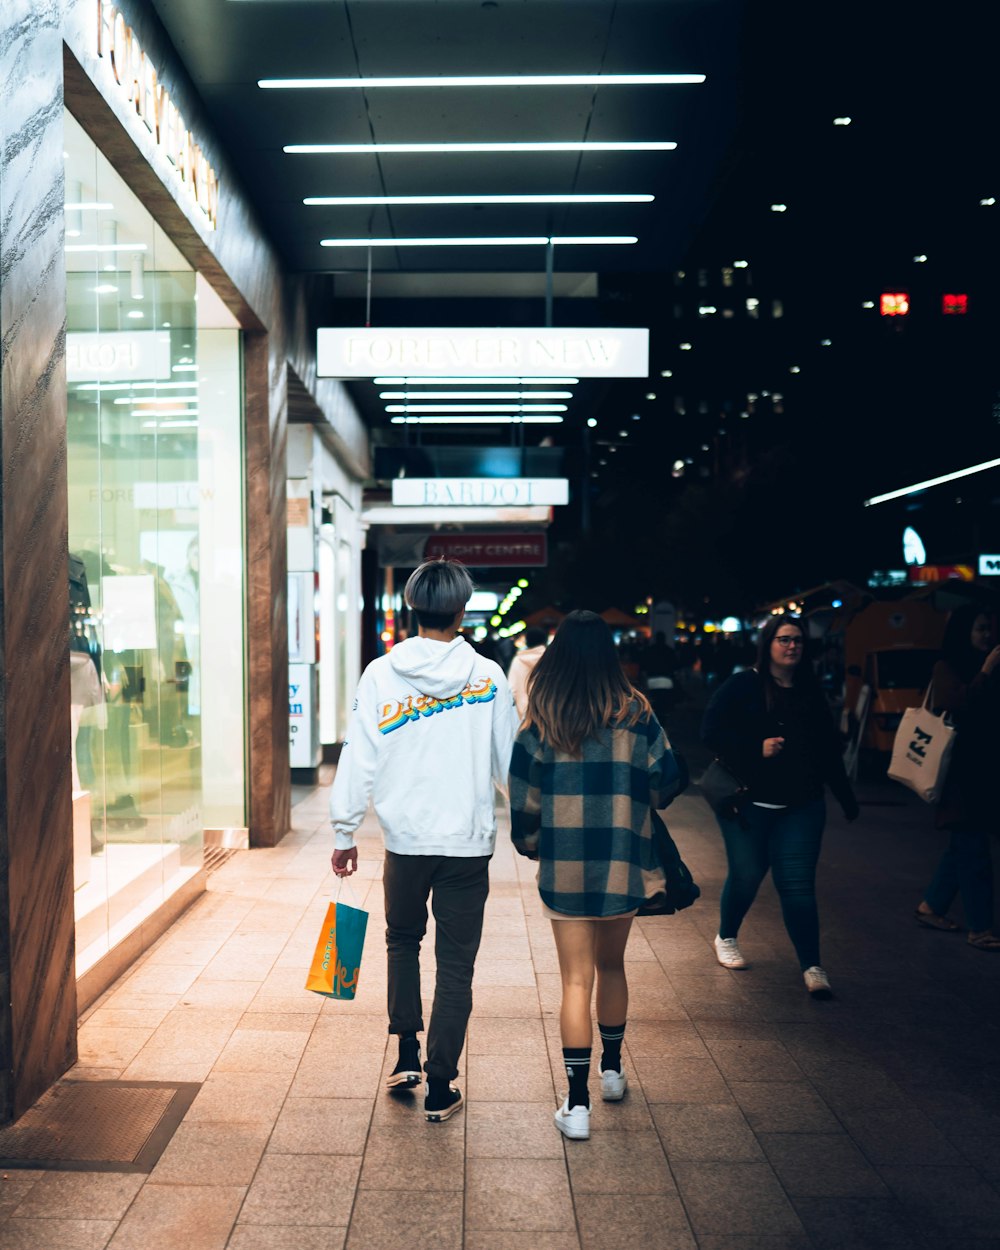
(490, 550)
(954, 305)
(921, 574)
(894, 304)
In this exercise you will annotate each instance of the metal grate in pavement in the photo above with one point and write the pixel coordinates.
(216, 856)
(97, 1126)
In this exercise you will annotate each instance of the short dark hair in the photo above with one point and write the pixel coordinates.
(437, 591)
(535, 636)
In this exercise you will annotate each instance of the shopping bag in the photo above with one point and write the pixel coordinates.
(921, 751)
(337, 960)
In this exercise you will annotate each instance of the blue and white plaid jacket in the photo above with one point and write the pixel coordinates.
(587, 819)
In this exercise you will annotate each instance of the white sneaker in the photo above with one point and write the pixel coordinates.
(817, 982)
(613, 1086)
(573, 1122)
(727, 952)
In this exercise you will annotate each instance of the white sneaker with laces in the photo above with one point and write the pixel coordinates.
(613, 1086)
(573, 1122)
(817, 982)
(727, 952)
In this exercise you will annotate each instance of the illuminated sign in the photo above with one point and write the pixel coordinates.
(136, 75)
(913, 547)
(472, 492)
(116, 356)
(484, 352)
(894, 304)
(489, 550)
(954, 305)
(989, 566)
(921, 574)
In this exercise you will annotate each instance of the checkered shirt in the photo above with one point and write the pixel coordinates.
(587, 818)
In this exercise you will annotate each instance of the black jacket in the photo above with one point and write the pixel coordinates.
(737, 721)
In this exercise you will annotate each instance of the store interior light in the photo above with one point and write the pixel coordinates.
(779, 208)
(393, 201)
(529, 240)
(483, 80)
(408, 395)
(151, 401)
(106, 247)
(475, 381)
(842, 121)
(135, 386)
(86, 206)
(573, 145)
(592, 422)
(136, 314)
(104, 288)
(741, 264)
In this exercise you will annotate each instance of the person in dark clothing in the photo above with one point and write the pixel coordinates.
(966, 684)
(771, 727)
(659, 666)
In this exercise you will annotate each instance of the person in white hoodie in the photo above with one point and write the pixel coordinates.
(430, 735)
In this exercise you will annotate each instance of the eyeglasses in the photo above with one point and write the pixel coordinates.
(788, 640)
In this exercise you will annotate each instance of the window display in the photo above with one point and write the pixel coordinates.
(156, 556)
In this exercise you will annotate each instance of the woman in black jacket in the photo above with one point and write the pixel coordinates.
(966, 684)
(770, 726)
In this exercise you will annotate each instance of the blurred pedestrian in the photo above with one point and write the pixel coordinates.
(966, 685)
(522, 664)
(430, 734)
(589, 764)
(659, 666)
(771, 727)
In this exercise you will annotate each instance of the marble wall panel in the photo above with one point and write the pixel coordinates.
(37, 988)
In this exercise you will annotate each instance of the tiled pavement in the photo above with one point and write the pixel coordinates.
(755, 1119)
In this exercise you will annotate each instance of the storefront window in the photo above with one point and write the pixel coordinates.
(154, 462)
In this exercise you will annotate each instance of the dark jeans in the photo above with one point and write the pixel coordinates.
(458, 889)
(787, 841)
(966, 868)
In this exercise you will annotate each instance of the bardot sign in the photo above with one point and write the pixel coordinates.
(467, 352)
(479, 492)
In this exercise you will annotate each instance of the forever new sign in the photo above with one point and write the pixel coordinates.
(486, 352)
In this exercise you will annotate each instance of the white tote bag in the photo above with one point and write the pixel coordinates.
(921, 751)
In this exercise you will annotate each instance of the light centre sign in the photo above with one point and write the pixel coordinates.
(468, 352)
(479, 492)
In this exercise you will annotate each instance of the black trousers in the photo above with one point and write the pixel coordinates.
(458, 889)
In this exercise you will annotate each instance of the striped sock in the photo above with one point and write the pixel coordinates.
(611, 1036)
(577, 1061)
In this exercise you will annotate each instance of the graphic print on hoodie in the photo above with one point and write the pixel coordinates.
(430, 736)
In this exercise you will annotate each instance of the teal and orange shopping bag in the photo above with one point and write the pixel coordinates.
(337, 959)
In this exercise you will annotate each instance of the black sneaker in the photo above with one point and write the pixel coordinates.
(406, 1074)
(441, 1108)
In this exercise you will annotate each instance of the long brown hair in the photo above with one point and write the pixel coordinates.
(578, 687)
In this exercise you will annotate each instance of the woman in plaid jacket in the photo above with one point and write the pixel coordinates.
(589, 764)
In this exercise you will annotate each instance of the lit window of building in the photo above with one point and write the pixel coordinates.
(894, 304)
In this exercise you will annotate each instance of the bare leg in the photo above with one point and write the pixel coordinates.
(575, 943)
(612, 987)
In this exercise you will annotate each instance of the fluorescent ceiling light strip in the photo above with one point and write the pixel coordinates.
(932, 481)
(92, 206)
(405, 395)
(529, 240)
(495, 420)
(475, 381)
(359, 149)
(129, 386)
(167, 412)
(475, 407)
(105, 247)
(151, 399)
(488, 80)
(343, 201)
